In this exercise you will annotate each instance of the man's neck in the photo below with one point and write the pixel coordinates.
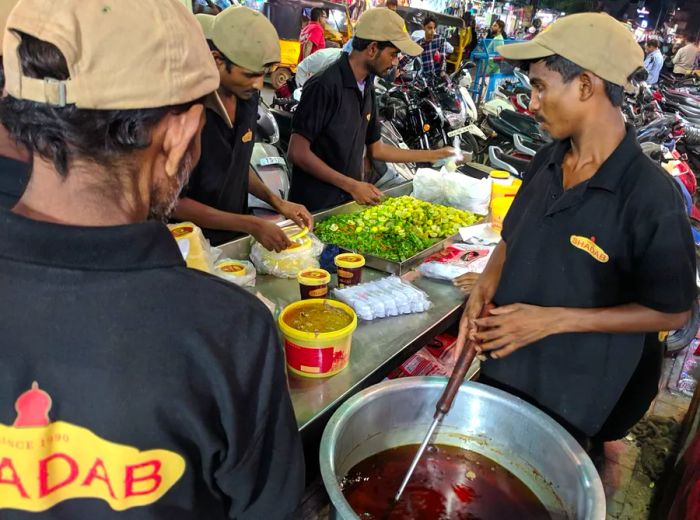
(596, 141)
(230, 102)
(78, 200)
(359, 68)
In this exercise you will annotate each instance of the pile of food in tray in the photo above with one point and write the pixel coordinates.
(396, 230)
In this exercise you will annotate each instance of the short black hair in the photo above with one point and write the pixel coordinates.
(537, 23)
(568, 71)
(64, 134)
(429, 19)
(316, 14)
(395, 3)
(360, 44)
(653, 43)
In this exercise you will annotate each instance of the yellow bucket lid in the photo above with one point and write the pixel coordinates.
(350, 260)
(231, 267)
(499, 174)
(314, 277)
(299, 335)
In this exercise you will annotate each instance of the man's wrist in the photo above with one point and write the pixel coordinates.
(348, 184)
(563, 320)
(276, 202)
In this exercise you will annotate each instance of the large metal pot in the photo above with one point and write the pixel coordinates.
(493, 423)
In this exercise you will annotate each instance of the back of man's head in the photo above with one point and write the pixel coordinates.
(653, 44)
(392, 4)
(75, 96)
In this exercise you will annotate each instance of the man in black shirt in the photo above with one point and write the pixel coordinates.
(337, 119)
(244, 44)
(596, 249)
(132, 387)
(14, 167)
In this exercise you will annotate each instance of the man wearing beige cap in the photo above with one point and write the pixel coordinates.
(596, 249)
(244, 45)
(337, 119)
(14, 159)
(132, 386)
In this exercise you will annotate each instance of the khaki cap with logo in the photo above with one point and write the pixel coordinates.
(384, 25)
(594, 41)
(246, 38)
(169, 63)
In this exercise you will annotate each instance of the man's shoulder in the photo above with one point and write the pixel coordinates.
(199, 295)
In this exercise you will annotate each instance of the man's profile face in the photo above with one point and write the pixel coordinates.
(384, 60)
(496, 29)
(166, 189)
(241, 82)
(555, 104)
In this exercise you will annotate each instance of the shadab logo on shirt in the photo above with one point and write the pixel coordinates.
(589, 246)
(43, 463)
(247, 137)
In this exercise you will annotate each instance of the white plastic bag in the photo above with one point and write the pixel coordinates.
(453, 189)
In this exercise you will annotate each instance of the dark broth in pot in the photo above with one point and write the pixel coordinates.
(449, 484)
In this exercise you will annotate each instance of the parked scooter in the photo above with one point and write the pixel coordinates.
(268, 162)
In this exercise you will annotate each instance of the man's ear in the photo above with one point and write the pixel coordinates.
(372, 49)
(178, 133)
(588, 84)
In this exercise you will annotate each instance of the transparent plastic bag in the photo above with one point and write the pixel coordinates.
(304, 254)
(456, 260)
(384, 298)
(195, 249)
(239, 272)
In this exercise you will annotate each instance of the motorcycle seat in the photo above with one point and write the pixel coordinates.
(499, 159)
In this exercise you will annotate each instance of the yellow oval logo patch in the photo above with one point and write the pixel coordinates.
(589, 246)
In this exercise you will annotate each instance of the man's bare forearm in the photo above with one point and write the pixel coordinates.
(383, 152)
(212, 218)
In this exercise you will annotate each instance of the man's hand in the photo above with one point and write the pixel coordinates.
(514, 326)
(270, 236)
(297, 213)
(365, 193)
(479, 301)
(442, 153)
(466, 282)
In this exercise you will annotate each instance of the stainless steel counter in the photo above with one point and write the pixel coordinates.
(377, 347)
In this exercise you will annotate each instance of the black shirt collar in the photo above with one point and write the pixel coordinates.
(146, 245)
(349, 79)
(611, 171)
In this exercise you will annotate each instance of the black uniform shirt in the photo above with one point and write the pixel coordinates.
(220, 179)
(339, 120)
(14, 176)
(162, 380)
(621, 237)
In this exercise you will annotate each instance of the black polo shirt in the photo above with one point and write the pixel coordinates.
(220, 179)
(339, 120)
(621, 237)
(160, 388)
(14, 177)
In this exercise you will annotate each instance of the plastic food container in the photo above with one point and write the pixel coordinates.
(232, 268)
(313, 283)
(349, 269)
(317, 355)
(499, 210)
(501, 187)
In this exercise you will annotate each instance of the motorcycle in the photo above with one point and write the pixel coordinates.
(268, 162)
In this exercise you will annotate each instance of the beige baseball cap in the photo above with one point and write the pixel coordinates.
(595, 41)
(246, 38)
(384, 25)
(168, 64)
(206, 21)
(5, 7)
